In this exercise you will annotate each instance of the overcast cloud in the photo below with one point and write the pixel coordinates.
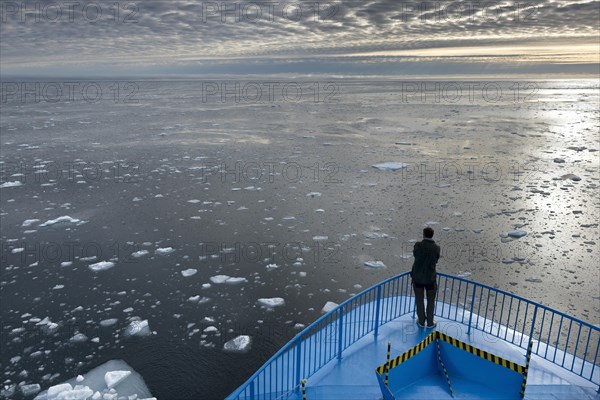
(353, 37)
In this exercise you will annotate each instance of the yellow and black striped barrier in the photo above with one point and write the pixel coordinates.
(439, 353)
(481, 353)
(406, 355)
(303, 382)
(387, 363)
(438, 336)
(529, 349)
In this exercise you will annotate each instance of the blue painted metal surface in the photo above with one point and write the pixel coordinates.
(328, 337)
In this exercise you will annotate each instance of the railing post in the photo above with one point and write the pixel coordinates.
(340, 332)
(377, 308)
(471, 310)
(298, 357)
(415, 299)
(252, 390)
(533, 323)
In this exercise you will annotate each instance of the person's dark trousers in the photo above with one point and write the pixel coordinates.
(420, 291)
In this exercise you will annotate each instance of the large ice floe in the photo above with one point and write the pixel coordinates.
(112, 380)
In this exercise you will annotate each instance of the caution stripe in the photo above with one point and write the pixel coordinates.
(481, 353)
(456, 343)
(406, 355)
(524, 384)
(437, 342)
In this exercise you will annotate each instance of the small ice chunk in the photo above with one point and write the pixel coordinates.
(189, 272)
(375, 235)
(64, 219)
(30, 390)
(113, 378)
(534, 280)
(11, 184)
(320, 238)
(138, 328)
(235, 281)
(239, 344)
(139, 253)
(330, 305)
(164, 250)
(55, 390)
(198, 299)
(29, 222)
(271, 267)
(219, 279)
(375, 264)
(516, 233)
(78, 393)
(101, 266)
(108, 322)
(78, 338)
(390, 166)
(271, 302)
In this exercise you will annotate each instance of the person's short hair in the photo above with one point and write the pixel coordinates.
(428, 232)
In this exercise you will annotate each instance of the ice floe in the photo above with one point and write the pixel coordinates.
(390, 166)
(239, 344)
(112, 380)
(101, 266)
(139, 253)
(330, 305)
(65, 219)
(11, 184)
(189, 272)
(516, 233)
(164, 250)
(138, 328)
(375, 264)
(226, 279)
(271, 302)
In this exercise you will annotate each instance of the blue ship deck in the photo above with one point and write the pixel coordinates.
(338, 354)
(353, 376)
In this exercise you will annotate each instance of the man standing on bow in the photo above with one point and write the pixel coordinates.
(423, 274)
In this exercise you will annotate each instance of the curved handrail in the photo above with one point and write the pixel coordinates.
(333, 321)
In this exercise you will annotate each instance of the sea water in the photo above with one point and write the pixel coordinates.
(191, 232)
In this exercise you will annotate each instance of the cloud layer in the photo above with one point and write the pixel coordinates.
(380, 36)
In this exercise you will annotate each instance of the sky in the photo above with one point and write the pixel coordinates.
(378, 37)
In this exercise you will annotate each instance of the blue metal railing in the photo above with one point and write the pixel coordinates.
(561, 339)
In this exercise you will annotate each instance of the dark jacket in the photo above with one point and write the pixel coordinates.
(426, 253)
